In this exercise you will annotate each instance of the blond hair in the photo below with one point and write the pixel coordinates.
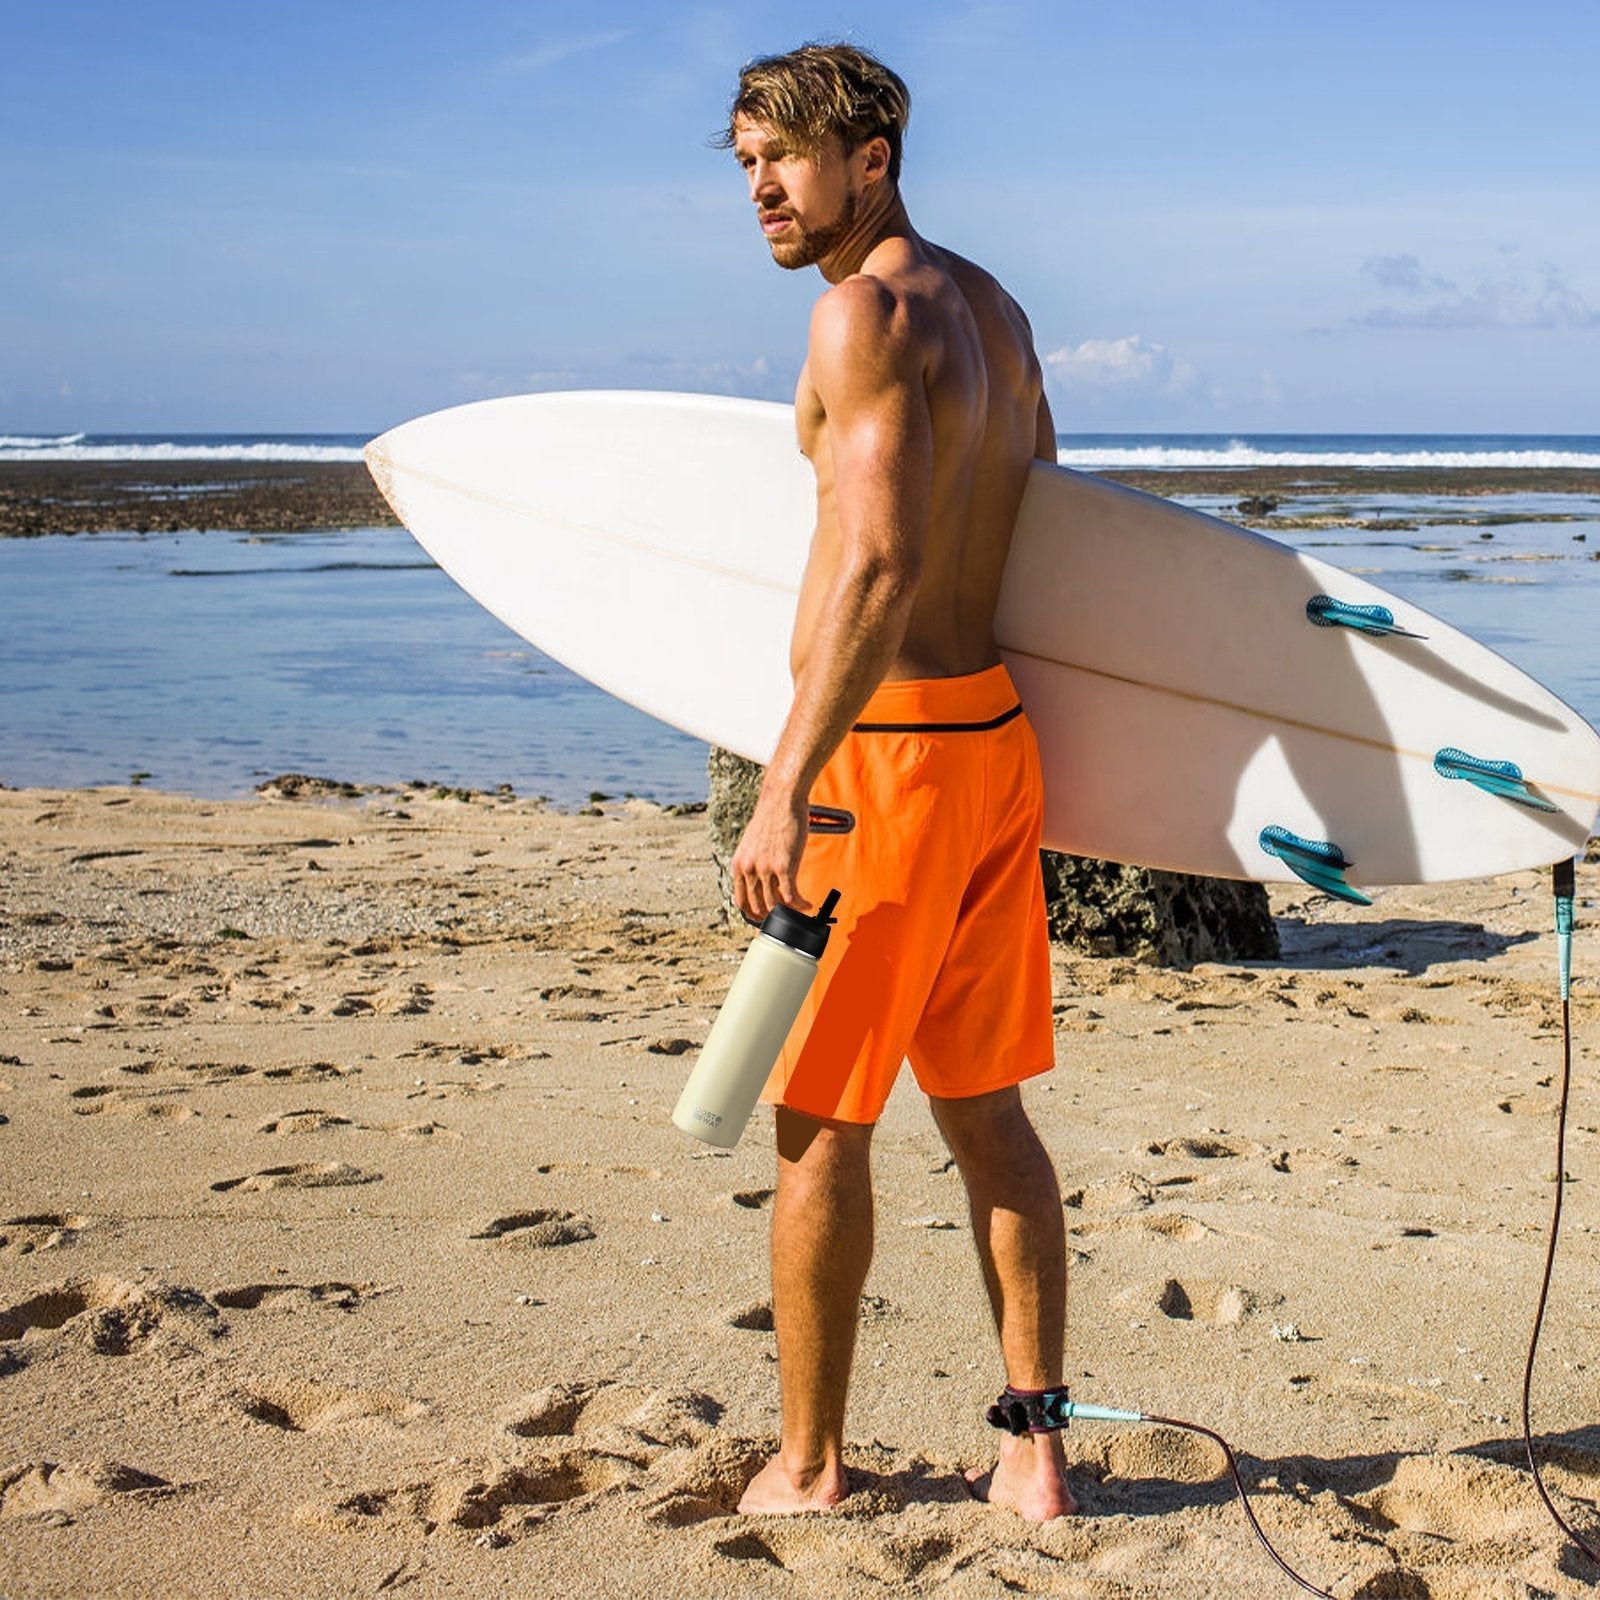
(821, 92)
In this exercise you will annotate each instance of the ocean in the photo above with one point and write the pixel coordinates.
(1089, 451)
(208, 662)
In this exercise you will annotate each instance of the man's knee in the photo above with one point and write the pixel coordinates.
(982, 1126)
(816, 1144)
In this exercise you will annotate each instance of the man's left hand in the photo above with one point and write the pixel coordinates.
(766, 865)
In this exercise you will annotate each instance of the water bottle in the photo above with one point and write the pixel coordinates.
(772, 981)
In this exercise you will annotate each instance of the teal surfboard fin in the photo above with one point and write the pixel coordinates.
(1378, 621)
(1319, 862)
(1503, 778)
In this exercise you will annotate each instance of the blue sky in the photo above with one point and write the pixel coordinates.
(1242, 216)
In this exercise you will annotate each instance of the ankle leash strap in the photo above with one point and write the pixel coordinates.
(1020, 1411)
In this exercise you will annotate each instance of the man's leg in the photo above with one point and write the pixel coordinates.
(821, 1248)
(1021, 1239)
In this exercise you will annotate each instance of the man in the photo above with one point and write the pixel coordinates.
(920, 407)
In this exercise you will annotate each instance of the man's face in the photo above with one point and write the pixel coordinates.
(806, 203)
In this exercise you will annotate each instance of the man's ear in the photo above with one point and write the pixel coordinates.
(874, 157)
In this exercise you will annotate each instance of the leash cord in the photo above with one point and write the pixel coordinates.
(1564, 896)
(1244, 1497)
(1564, 901)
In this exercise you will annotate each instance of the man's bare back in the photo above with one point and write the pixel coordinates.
(983, 391)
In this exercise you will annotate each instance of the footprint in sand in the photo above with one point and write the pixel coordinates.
(472, 1055)
(1442, 1525)
(1458, 1498)
(454, 1089)
(44, 1230)
(311, 1120)
(1205, 1147)
(318, 1175)
(1173, 1226)
(626, 1416)
(112, 1317)
(425, 1129)
(309, 1072)
(55, 1492)
(207, 1072)
(709, 1484)
(1125, 1460)
(253, 1296)
(1209, 1300)
(488, 1495)
(299, 1406)
(525, 1492)
(158, 1105)
(417, 1001)
(854, 1559)
(539, 1230)
(1128, 1191)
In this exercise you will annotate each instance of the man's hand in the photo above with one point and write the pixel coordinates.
(767, 862)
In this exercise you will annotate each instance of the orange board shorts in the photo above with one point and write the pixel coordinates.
(927, 820)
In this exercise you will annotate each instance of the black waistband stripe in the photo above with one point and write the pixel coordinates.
(939, 727)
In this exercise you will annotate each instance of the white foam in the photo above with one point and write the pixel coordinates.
(1236, 453)
(171, 450)
(33, 441)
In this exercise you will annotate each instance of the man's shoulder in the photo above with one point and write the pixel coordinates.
(857, 303)
(862, 319)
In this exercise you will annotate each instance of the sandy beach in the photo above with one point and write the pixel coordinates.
(347, 1249)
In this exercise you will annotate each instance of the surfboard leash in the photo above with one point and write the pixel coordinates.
(1036, 1411)
(1020, 1411)
(1564, 879)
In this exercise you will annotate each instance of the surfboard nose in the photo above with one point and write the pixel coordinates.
(381, 465)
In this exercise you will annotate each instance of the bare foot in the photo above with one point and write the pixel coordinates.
(1030, 1478)
(777, 1492)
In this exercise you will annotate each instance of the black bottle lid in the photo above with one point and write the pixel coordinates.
(808, 935)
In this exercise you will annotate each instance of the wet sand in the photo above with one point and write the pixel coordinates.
(143, 497)
(40, 497)
(346, 1247)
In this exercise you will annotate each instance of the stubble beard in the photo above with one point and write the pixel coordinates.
(807, 246)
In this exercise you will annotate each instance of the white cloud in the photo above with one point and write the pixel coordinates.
(1542, 299)
(555, 51)
(1403, 273)
(1133, 362)
(757, 378)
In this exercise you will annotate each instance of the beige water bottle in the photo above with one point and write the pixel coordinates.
(755, 1019)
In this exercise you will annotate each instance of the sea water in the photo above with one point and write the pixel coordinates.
(211, 661)
(207, 662)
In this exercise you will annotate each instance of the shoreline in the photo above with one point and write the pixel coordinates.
(41, 498)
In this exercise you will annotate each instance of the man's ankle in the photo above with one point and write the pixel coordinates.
(805, 1469)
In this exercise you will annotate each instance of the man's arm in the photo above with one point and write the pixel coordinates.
(868, 373)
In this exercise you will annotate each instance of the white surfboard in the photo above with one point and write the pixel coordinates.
(1206, 699)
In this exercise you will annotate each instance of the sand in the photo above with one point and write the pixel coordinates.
(346, 1247)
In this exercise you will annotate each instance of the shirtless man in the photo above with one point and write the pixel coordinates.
(907, 762)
